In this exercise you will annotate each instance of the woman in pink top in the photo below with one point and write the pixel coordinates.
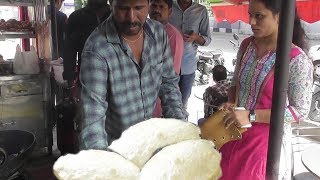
(253, 85)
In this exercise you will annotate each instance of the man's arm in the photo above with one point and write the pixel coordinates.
(70, 51)
(177, 46)
(204, 38)
(93, 77)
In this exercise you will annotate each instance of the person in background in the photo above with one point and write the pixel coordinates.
(126, 65)
(79, 26)
(61, 23)
(215, 95)
(161, 10)
(252, 88)
(192, 20)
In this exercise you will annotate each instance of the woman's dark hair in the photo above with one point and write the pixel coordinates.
(298, 37)
(219, 72)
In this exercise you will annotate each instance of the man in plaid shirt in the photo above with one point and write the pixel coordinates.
(217, 94)
(126, 65)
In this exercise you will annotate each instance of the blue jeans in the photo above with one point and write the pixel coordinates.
(185, 85)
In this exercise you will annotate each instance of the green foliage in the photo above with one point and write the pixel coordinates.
(215, 1)
(80, 3)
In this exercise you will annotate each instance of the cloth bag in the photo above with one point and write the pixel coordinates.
(26, 62)
(213, 129)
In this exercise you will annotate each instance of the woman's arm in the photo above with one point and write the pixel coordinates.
(299, 88)
(242, 117)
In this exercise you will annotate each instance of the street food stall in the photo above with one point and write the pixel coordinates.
(25, 92)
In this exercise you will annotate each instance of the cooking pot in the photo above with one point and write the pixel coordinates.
(15, 147)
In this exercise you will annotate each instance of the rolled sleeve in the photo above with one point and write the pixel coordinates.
(204, 30)
(93, 77)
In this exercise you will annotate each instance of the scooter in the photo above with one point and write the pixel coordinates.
(206, 61)
(314, 113)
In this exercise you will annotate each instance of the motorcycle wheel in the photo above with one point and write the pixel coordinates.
(316, 72)
(314, 114)
(203, 68)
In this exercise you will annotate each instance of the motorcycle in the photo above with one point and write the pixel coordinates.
(206, 61)
(314, 113)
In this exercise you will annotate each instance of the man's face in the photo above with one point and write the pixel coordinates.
(58, 4)
(130, 15)
(160, 11)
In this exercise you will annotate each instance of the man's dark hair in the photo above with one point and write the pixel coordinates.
(59, 0)
(112, 0)
(97, 4)
(168, 2)
(219, 73)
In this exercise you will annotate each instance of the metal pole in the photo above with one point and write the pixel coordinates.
(280, 87)
(54, 35)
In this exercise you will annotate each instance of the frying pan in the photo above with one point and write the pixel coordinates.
(15, 147)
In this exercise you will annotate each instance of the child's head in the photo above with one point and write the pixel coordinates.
(219, 72)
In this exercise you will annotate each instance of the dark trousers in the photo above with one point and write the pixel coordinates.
(185, 85)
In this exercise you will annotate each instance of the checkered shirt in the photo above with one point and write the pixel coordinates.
(116, 91)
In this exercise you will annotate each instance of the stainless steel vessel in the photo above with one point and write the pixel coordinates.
(25, 105)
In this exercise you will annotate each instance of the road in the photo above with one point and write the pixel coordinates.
(221, 41)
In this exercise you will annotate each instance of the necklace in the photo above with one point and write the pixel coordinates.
(130, 41)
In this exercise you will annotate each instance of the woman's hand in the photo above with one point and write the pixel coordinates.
(227, 106)
(238, 117)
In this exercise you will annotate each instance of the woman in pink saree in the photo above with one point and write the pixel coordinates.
(252, 88)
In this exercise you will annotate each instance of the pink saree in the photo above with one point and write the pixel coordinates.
(245, 159)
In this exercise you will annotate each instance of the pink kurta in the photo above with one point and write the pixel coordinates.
(176, 45)
(245, 159)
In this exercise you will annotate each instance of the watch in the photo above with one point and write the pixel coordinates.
(252, 116)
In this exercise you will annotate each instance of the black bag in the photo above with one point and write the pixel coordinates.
(67, 134)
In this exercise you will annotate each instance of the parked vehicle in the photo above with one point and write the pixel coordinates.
(206, 61)
(314, 54)
(236, 46)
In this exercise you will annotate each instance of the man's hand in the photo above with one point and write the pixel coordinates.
(238, 117)
(73, 91)
(190, 37)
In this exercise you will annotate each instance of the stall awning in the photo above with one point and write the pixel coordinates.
(309, 11)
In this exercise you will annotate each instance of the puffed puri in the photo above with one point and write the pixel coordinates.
(94, 165)
(188, 160)
(139, 142)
